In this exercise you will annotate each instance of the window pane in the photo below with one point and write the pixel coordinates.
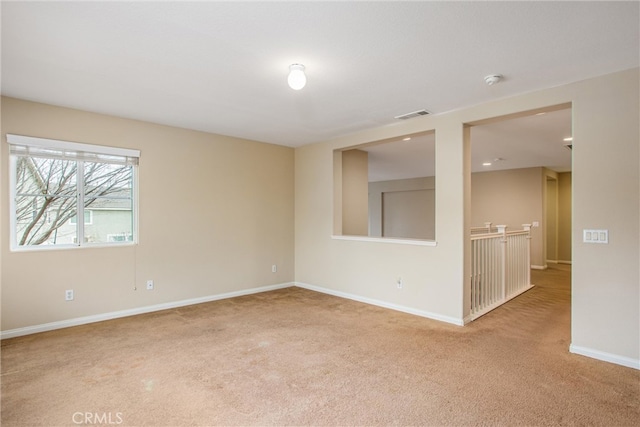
(45, 176)
(45, 201)
(102, 179)
(109, 197)
(112, 220)
(88, 217)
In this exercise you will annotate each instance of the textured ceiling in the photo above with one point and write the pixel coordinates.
(221, 66)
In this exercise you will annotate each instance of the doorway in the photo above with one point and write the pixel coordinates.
(521, 174)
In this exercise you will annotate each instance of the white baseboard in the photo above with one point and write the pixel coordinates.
(384, 304)
(606, 357)
(11, 333)
(540, 267)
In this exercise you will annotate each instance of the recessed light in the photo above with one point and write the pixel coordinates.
(406, 139)
(486, 164)
(570, 138)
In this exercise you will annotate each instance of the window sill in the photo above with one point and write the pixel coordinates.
(415, 242)
(47, 248)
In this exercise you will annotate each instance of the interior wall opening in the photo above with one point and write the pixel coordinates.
(520, 173)
(511, 160)
(386, 189)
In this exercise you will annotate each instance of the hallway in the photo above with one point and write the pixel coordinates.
(541, 315)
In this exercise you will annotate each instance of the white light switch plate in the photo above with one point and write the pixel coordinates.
(595, 236)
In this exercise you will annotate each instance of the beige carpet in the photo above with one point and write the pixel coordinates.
(296, 357)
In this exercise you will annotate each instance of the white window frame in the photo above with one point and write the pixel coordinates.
(79, 152)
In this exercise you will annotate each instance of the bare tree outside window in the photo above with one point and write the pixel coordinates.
(47, 192)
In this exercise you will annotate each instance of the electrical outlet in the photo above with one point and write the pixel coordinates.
(68, 295)
(149, 285)
(274, 268)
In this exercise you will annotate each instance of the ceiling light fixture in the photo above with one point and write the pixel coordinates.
(486, 164)
(407, 138)
(492, 79)
(570, 138)
(297, 79)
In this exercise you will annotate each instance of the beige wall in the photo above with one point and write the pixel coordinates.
(215, 214)
(355, 171)
(409, 214)
(606, 282)
(512, 198)
(419, 220)
(564, 217)
(432, 275)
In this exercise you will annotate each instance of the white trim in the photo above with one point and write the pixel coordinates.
(71, 246)
(12, 202)
(416, 312)
(606, 357)
(11, 333)
(538, 267)
(416, 242)
(557, 261)
(32, 141)
(80, 199)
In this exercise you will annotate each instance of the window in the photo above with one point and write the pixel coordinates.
(53, 183)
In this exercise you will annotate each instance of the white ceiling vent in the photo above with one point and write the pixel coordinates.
(412, 115)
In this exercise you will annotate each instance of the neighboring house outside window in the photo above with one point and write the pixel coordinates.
(88, 218)
(55, 182)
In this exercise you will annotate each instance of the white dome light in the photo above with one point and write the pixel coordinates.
(297, 79)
